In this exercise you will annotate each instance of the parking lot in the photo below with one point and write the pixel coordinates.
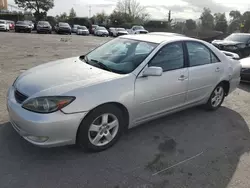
(193, 148)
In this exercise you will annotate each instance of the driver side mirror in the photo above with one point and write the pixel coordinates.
(152, 71)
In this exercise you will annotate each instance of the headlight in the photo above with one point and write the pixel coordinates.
(231, 47)
(47, 104)
(241, 45)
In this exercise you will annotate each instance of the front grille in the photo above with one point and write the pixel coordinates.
(20, 97)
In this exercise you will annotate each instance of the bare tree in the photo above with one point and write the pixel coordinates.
(133, 8)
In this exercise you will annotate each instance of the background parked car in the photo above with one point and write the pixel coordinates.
(4, 26)
(237, 43)
(120, 31)
(63, 28)
(111, 31)
(23, 26)
(101, 31)
(92, 29)
(11, 24)
(43, 27)
(31, 24)
(137, 29)
(245, 70)
(74, 28)
(82, 30)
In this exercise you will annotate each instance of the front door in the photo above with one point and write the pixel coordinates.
(157, 94)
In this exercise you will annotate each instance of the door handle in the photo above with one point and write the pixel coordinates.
(217, 69)
(182, 77)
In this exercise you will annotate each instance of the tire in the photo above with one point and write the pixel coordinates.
(86, 139)
(216, 98)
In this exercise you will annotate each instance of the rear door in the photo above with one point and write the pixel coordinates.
(204, 71)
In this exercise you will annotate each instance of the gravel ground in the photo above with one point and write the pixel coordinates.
(196, 148)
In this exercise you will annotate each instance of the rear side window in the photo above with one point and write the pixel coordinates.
(199, 54)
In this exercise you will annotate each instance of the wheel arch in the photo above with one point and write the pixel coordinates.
(226, 86)
(117, 104)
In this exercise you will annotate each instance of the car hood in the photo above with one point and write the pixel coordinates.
(61, 76)
(104, 31)
(226, 42)
(245, 62)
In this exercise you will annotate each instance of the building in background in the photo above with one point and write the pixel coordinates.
(3, 4)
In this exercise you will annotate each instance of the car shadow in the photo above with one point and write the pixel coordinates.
(194, 148)
(244, 86)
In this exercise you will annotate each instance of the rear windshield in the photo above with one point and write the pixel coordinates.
(238, 38)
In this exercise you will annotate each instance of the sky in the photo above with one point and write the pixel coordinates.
(158, 9)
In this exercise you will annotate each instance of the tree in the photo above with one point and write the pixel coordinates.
(40, 7)
(190, 24)
(132, 10)
(207, 19)
(220, 22)
(246, 21)
(62, 17)
(101, 18)
(235, 15)
(117, 18)
(72, 13)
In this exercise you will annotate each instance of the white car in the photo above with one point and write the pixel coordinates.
(92, 99)
(82, 30)
(4, 25)
(101, 31)
(119, 32)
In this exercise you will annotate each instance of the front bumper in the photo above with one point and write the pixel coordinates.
(55, 129)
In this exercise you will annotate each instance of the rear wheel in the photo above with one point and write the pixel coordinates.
(101, 128)
(216, 98)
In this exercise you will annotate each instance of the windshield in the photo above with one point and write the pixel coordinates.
(138, 27)
(120, 55)
(82, 27)
(21, 22)
(120, 29)
(101, 28)
(64, 24)
(43, 23)
(238, 38)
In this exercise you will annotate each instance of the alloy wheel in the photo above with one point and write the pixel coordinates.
(217, 96)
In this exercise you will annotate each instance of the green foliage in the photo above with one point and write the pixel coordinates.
(40, 7)
(207, 19)
(220, 22)
(190, 24)
(72, 13)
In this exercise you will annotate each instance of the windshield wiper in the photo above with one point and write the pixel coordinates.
(103, 66)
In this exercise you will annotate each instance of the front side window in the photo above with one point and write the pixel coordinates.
(119, 55)
(199, 54)
(170, 57)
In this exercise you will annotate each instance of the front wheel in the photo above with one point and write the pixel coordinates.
(101, 128)
(216, 98)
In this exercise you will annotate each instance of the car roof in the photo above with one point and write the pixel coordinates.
(165, 33)
(157, 38)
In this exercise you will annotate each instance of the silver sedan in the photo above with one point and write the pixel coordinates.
(92, 99)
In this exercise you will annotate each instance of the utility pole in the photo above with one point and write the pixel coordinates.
(89, 11)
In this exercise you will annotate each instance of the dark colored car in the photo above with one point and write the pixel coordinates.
(92, 29)
(43, 27)
(23, 26)
(237, 43)
(63, 28)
